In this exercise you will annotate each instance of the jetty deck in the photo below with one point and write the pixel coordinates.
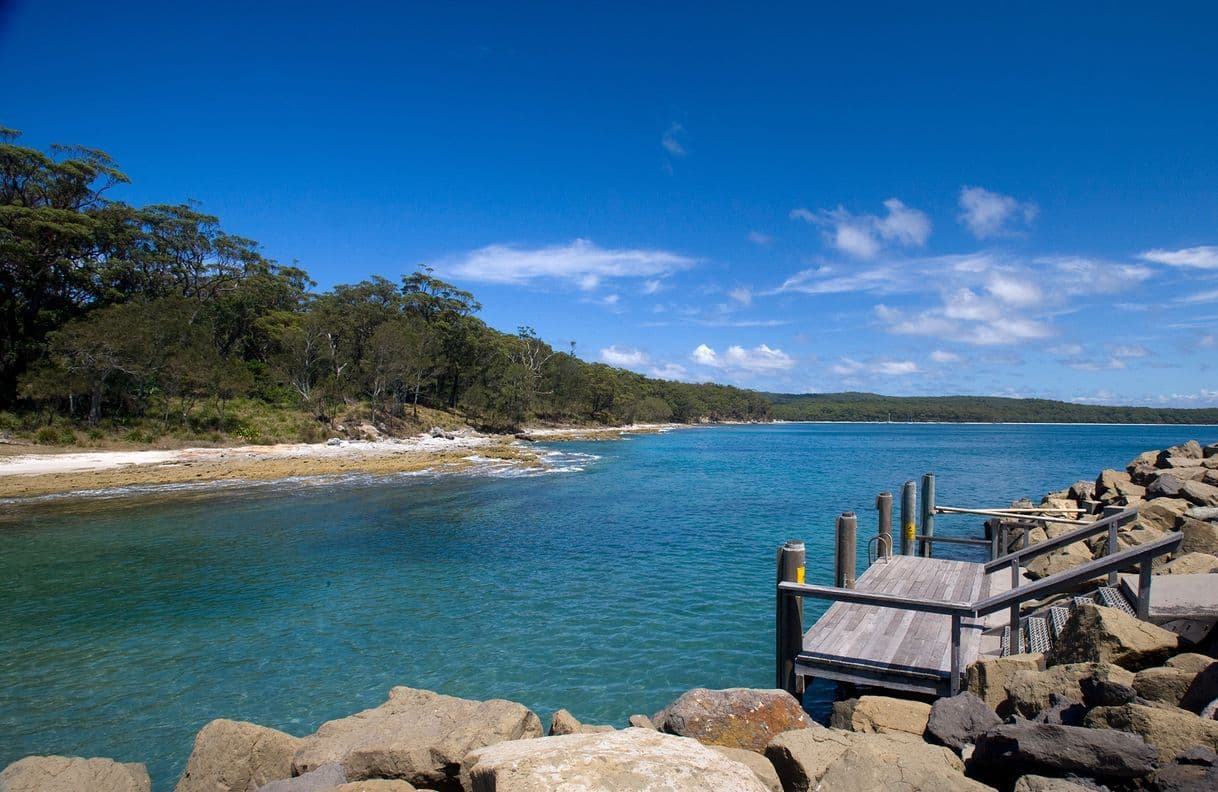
(896, 648)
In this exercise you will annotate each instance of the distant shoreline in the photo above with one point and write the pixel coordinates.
(30, 475)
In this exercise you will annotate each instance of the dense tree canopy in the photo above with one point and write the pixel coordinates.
(112, 310)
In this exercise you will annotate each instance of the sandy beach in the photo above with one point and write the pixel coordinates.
(27, 471)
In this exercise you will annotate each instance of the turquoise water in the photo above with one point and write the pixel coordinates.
(643, 570)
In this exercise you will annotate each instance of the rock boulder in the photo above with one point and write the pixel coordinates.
(73, 774)
(563, 722)
(736, 717)
(1171, 731)
(234, 756)
(988, 678)
(761, 767)
(1035, 783)
(1199, 493)
(1190, 564)
(957, 721)
(881, 715)
(1094, 633)
(1162, 684)
(1030, 693)
(325, 777)
(1162, 513)
(417, 736)
(1012, 750)
(618, 760)
(1200, 536)
(882, 765)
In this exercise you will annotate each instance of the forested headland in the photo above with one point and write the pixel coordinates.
(154, 324)
(962, 409)
(145, 323)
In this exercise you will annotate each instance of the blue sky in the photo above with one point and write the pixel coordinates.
(902, 198)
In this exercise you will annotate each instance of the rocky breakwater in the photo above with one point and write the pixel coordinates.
(1173, 489)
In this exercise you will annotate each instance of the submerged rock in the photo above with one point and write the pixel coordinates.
(73, 774)
(618, 760)
(736, 717)
(234, 756)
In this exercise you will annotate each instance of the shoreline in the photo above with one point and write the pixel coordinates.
(32, 475)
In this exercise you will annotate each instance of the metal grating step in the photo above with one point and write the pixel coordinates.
(1057, 620)
(1036, 632)
(1005, 642)
(1084, 599)
(1113, 598)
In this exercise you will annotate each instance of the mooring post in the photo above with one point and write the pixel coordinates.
(928, 515)
(789, 619)
(846, 557)
(909, 499)
(883, 542)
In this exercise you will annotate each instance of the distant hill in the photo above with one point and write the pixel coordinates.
(853, 406)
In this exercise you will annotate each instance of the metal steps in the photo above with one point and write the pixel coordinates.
(1038, 632)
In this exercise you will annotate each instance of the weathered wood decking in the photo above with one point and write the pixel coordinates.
(892, 647)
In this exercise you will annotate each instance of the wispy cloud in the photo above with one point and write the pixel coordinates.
(1202, 257)
(853, 369)
(671, 142)
(990, 214)
(623, 357)
(864, 236)
(669, 371)
(742, 295)
(761, 358)
(581, 263)
(758, 238)
(942, 356)
(1200, 297)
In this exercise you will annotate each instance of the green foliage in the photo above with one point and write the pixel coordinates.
(983, 409)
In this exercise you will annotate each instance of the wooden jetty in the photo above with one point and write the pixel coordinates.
(914, 622)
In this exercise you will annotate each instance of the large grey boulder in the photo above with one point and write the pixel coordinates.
(325, 777)
(1166, 485)
(1108, 482)
(1013, 750)
(881, 715)
(804, 757)
(630, 759)
(736, 717)
(1187, 450)
(1171, 731)
(417, 735)
(234, 756)
(73, 774)
(1202, 690)
(1203, 512)
(957, 721)
(1195, 770)
(1094, 633)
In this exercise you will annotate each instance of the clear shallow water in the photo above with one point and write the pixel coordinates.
(644, 570)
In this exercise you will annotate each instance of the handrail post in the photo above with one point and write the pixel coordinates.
(846, 553)
(883, 504)
(1144, 571)
(1112, 511)
(909, 497)
(789, 619)
(955, 678)
(1015, 604)
(926, 547)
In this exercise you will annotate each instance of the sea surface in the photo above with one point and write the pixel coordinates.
(635, 571)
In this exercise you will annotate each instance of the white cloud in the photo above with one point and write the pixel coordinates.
(1200, 297)
(623, 357)
(1111, 364)
(670, 142)
(652, 286)
(760, 358)
(989, 214)
(864, 236)
(964, 317)
(1129, 350)
(669, 371)
(742, 295)
(942, 356)
(581, 263)
(1014, 291)
(849, 367)
(1067, 350)
(758, 238)
(1201, 257)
